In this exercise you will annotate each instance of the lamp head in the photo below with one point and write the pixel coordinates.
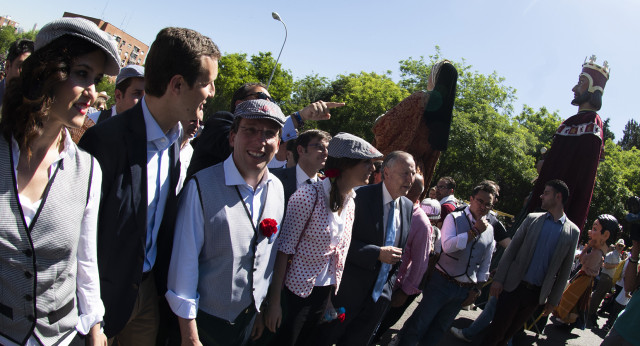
(276, 16)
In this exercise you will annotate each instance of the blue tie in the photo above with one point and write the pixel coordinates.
(388, 241)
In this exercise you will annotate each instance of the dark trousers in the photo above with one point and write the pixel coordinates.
(604, 286)
(392, 316)
(359, 326)
(214, 331)
(512, 311)
(302, 316)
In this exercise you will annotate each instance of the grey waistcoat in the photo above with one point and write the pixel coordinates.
(38, 264)
(465, 262)
(235, 264)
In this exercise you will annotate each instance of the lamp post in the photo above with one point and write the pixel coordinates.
(276, 16)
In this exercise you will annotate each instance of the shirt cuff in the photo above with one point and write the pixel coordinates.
(86, 321)
(289, 130)
(182, 307)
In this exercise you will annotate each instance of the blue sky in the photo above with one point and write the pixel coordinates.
(538, 46)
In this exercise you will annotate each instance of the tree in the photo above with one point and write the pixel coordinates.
(608, 134)
(541, 124)
(630, 135)
(367, 96)
(235, 69)
(8, 35)
(474, 89)
(307, 90)
(108, 87)
(618, 178)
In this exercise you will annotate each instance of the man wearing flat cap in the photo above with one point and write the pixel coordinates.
(228, 219)
(129, 91)
(577, 146)
(380, 229)
(139, 150)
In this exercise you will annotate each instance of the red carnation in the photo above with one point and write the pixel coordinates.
(332, 173)
(268, 227)
(341, 317)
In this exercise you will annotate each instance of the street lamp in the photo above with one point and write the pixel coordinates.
(276, 16)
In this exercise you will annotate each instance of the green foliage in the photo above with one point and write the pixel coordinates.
(618, 178)
(307, 90)
(473, 90)
(109, 87)
(367, 96)
(541, 124)
(606, 129)
(630, 135)
(235, 69)
(8, 35)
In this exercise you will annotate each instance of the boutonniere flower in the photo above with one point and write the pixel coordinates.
(268, 227)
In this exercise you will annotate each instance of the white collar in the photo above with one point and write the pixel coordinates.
(232, 175)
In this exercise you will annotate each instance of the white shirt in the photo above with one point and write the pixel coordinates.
(158, 182)
(90, 305)
(95, 115)
(450, 199)
(302, 177)
(182, 282)
(336, 225)
(186, 153)
(386, 200)
(452, 242)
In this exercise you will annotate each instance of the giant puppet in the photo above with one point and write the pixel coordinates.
(577, 145)
(420, 124)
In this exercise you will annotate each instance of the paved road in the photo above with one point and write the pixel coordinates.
(552, 335)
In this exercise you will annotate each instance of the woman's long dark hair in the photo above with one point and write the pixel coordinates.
(29, 98)
(340, 164)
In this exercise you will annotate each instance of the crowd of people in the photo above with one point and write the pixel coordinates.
(139, 225)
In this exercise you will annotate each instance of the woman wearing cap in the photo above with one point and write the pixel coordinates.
(574, 304)
(50, 191)
(315, 237)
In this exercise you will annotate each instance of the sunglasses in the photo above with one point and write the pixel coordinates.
(262, 96)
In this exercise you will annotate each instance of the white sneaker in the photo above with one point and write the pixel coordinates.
(457, 332)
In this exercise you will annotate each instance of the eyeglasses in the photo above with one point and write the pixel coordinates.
(262, 96)
(318, 147)
(483, 203)
(252, 132)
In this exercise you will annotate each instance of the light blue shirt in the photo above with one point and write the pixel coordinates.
(182, 295)
(545, 246)
(158, 179)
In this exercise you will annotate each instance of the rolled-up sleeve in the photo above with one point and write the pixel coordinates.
(91, 309)
(182, 282)
(452, 242)
(299, 210)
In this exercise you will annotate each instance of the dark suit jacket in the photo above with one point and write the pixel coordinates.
(119, 144)
(289, 181)
(363, 266)
(104, 115)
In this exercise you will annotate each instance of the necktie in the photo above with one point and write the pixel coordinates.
(388, 241)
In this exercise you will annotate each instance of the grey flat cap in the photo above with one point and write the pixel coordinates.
(260, 109)
(130, 71)
(85, 29)
(347, 145)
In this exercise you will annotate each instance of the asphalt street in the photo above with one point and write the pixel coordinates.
(551, 335)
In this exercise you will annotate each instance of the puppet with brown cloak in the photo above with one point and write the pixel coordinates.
(420, 124)
(577, 146)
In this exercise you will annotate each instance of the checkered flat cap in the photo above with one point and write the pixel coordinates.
(260, 109)
(85, 29)
(130, 71)
(347, 145)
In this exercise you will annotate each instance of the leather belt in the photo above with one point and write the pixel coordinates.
(461, 284)
(529, 286)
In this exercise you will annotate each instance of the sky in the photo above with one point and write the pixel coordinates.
(538, 46)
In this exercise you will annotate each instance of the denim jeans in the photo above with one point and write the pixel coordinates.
(483, 320)
(441, 302)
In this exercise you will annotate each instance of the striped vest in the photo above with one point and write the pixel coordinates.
(235, 264)
(38, 264)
